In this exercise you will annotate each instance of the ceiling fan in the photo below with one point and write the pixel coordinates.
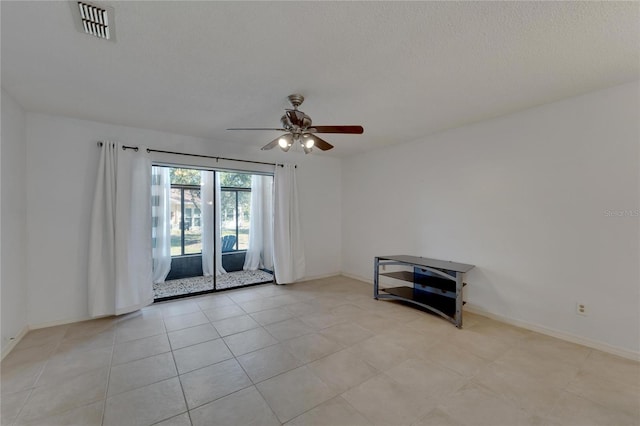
(298, 128)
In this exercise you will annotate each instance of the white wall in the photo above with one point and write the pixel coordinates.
(524, 198)
(13, 285)
(61, 163)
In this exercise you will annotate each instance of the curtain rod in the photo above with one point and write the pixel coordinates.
(135, 148)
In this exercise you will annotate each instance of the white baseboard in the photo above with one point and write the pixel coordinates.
(594, 344)
(12, 343)
(319, 277)
(59, 322)
(357, 277)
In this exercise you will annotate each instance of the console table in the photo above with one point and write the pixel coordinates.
(436, 284)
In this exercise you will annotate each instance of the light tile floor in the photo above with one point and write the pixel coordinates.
(316, 353)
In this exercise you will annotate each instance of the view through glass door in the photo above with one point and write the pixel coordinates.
(202, 225)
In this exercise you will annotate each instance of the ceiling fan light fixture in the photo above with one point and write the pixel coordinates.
(297, 126)
(306, 149)
(285, 142)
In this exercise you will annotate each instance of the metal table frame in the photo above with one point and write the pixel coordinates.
(434, 266)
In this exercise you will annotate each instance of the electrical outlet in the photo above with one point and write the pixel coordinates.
(581, 309)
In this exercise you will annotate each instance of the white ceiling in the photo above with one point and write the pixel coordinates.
(401, 69)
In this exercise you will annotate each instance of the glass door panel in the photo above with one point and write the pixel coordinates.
(244, 210)
(192, 222)
(176, 222)
(187, 230)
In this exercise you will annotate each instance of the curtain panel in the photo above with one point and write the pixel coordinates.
(161, 222)
(288, 251)
(210, 224)
(120, 252)
(260, 251)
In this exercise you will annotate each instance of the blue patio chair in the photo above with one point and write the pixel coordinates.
(228, 242)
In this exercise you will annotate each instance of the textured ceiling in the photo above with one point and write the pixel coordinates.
(402, 70)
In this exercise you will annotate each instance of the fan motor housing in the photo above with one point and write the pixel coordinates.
(296, 100)
(286, 123)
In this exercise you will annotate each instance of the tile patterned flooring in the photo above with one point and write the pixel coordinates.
(316, 353)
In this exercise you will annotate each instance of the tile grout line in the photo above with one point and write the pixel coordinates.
(106, 391)
(23, 405)
(184, 396)
(175, 365)
(33, 387)
(267, 402)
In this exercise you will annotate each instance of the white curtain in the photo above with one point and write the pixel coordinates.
(210, 224)
(120, 259)
(161, 222)
(288, 251)
(260, 251)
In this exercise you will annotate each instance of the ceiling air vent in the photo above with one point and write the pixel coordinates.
(95, 20)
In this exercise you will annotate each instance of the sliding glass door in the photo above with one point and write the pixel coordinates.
(211, 230)
(181, 229)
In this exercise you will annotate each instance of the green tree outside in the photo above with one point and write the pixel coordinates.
(186, 176)
(192, 177)
(235, 180)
